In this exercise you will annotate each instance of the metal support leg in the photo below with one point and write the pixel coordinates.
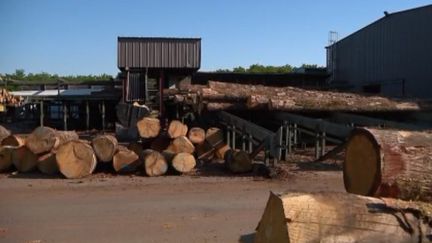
(323, 143)
(250, 143)
(233, 137)
(317, 145)
(279, 156)
(228, 136)
(65, 116)
(87, 116)
(103, 115)
(295, 133)
(288, 142)
(41, 116)
(243, 141)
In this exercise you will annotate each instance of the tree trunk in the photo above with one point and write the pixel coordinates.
(177, 129)
(13, 140)
(214, 136)
(105, 146)
(238, 161)
(196, 135)
(183, 162)
(148, 127)
(41, 140)
(155, 163)
(342, 217)
(4, 133)
(220, 152)
(389, 163)
(220, 106)
(76, 159)
(24, 159)
(47, 164)
(126, 161)
(6, 157)
(181, 145)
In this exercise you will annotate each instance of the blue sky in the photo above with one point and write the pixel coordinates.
(80, 37)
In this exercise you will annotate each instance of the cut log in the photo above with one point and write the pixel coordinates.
(177, 129)
(160, 143)
(238, 161)
(155, 163)
(6, 157)
(213, 95)
(47, 164)
(220, 152)
(64, 137)
(197, 135)
(220, 106)
(4, 133)
(41, 140)
(76, 159)
(105, 146)
(181, 145)
(13, 140)
(148, 127)
(24, 159)
(342, 217)
(389, 163)
(126, 161)
(183, 162)
(214, 136)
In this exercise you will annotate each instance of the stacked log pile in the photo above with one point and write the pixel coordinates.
(8, 99)
(234, 96)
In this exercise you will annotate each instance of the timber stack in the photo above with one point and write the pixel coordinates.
(6, 98)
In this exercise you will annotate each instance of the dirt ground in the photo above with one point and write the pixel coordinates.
(109, 208)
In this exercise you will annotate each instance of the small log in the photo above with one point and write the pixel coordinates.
(160, 143)
(105, 146)
(389, 163)
(4, 133)
(13, 140)
(76, 159)
(41, 140)
(238, 161)
(148, 127)
(183, 162)
(177, 129)
(220, 152)
(197, 135)
(6, 157)
(47, 164)
(342, 217)
(126, 161)
(214, 136)
(24, 159)
(181, 145)
(155, 163)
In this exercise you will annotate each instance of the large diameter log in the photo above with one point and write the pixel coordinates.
(105, 146)
(155, 163)
(76, 159)
(389, 163)
(6, 157)
(181, 145)
(196, 135)
(24, 159)
(177, 129)
(64, 137)
(41, 140)
(183, 162)
(47, 164)
(148, 127)
(238, 161)
(13, 140)
(4, 133)
(126, 161)
(342, 217)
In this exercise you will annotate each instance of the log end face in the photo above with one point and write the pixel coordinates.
(362, 166)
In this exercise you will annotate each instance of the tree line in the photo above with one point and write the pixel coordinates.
(21, 75)
(258, 68)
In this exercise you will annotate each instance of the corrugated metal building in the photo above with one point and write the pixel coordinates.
(391, 56)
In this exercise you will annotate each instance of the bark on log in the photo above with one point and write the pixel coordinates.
(137, 148)
(213, 95)
(105, 146)
(47, 164)
(126, 161)
(160, 143)
(204, 151)
(24, 159)
(148, 127)
(238, 161)
(220, 106)
(183, 162)
(181, 145)
(177, 129)
(4, 133)
(13, 140)
(64, 137)
(220, 152)
(155, 163)
(196, 135)
(76, 159)
(41, 140)
(389, 163)
(342, 217)
(6, 157)
(214, 136)
(258, 102)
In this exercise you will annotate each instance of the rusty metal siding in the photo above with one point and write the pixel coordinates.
(135, 90)
(394, 49)
(159, 53)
